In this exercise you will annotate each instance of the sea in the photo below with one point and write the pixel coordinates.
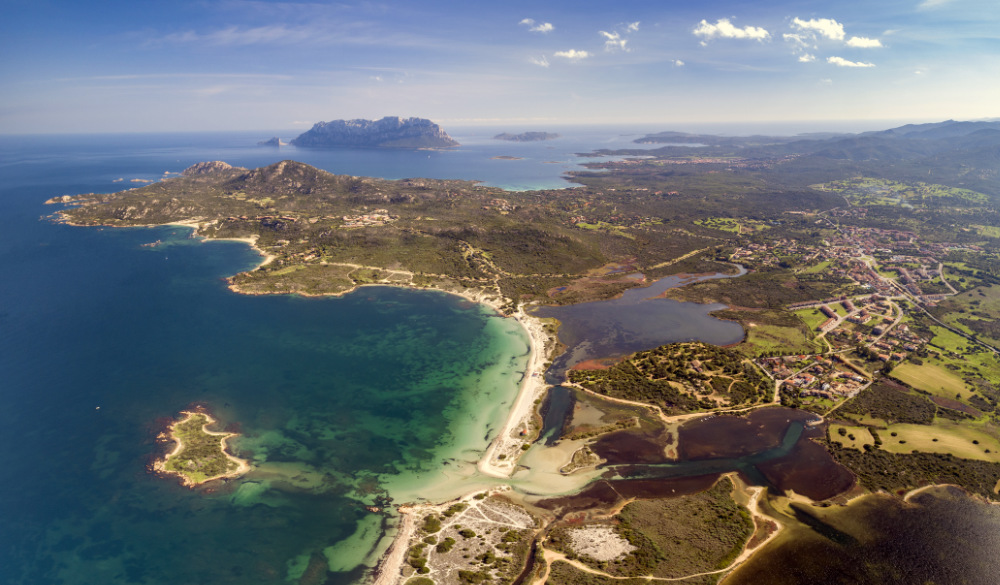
(384, 392)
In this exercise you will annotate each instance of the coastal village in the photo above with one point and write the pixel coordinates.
(902, 274)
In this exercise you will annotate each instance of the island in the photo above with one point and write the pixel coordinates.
(865, 379)
(527, 136)
(274, 142)
(199, 455)
(389, 132)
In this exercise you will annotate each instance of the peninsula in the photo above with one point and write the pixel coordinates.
(389, 132)
(200, 454)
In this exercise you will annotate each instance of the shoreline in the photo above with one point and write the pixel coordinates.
(500, 459)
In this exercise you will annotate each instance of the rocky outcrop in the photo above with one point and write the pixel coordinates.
(210, 168)
(389, 132)
(275, 142)
(526, 136)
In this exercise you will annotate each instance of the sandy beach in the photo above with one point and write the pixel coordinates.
(500, 458)
(508, 441)
(249, 240)
(388, 568)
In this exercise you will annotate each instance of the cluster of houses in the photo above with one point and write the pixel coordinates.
(501, 205)
(816, 375)
(375, 218)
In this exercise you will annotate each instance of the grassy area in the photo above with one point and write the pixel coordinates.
(867, 191)
(770, 332)
(763, 339)
(817, 268)
(813, 318)
(724, 224)
(963, 440)
(990, 231)
(851, 437)
(932, 377)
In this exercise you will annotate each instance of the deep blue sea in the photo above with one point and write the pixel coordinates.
(104, 341)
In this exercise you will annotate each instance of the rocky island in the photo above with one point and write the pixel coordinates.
(526, 136)
(389, 132)
(200, 454)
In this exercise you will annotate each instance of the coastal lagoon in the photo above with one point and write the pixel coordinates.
(635, 321)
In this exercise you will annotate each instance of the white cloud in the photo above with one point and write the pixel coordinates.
(725, 29)
(841, 62)
(932, 4)
(796, 38)
(540, 61)
(863, 43)
(826, 27)
(542, 27)
(614, 41)
(617, 39)
(678, 63)
(573, 54)
(807, 58)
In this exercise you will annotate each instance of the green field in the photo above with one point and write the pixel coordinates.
(724, 224)
(861, 436)
(870, 191)
(812, 318)
(942, 437)
(784, 340)
(932, 377)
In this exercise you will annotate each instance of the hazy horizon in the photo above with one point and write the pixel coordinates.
(721, 128)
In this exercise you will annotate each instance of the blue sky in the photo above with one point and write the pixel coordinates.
(114, 66)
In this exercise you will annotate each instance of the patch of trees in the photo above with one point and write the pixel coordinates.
(881, 470)
(654, 377)
(891, 402)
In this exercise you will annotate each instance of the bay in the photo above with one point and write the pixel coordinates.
(382, 392)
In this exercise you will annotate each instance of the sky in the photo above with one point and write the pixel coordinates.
(183, 65)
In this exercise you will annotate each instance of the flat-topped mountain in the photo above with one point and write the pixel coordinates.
(389, 132)
(527, 136)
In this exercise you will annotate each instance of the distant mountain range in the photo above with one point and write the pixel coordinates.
(965, 154)
(902, 143)
(389, 132)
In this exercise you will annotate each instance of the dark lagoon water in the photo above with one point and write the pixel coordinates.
(635, 321)
(941, 536)
(769, 447)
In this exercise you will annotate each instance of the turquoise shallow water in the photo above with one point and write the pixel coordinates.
(385, 390)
